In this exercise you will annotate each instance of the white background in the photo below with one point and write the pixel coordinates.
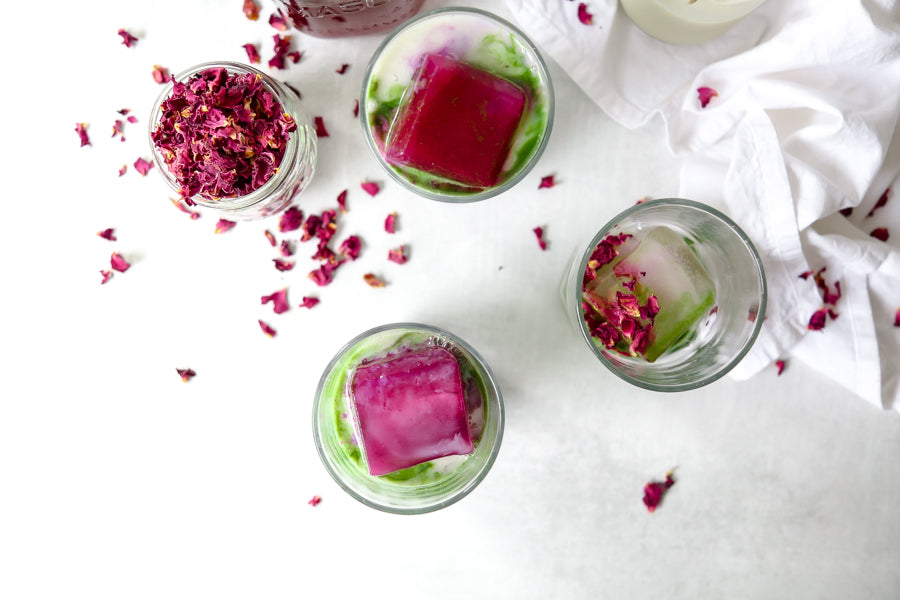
(118, 480)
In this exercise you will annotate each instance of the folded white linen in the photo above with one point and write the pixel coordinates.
(804, 124)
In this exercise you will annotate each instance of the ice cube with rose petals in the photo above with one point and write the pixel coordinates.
(410, 408)
(663, 265)
(457, 122)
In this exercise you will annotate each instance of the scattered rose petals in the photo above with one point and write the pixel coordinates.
(779, 364)
(122, 170)
(370, 187)
(706, 94)
(350, 247)
(271, 237)
(309, 302)
(161, 74)
(373, 281)
(278, 300)
(547, 181)
(251, 10)
(107, 275)
(584, 16)
(398, 255)
(224, 225)
(185, 374)
(266, 328)
(128, 40)
(320, 127)
(342, 201)
(342, 69)
(653, 492)
(119, 263)
(390, 223)
(252, 53)
(283, 265)
(880, 233)
(108, 234)
(277, 21)
(314, 501)
(290, 219)
(81, 130)
(882, 200)
(539, 234)
(143, 166)
(183, 208)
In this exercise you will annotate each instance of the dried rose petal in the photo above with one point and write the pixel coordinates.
(161, 74)
(320, 127)
(356, 107)
(882, 200)
(224, 225)
(817, 321)
(107, 275)
(328, 225)
(180, 206)
(252, 53)
(373, 281)
(108, 234)
(642, 200)
(266, 328)
(290, 219)
(118, 263)
(311, 227)
(846, 211)
(251, 10)
(350, 247)
(324, 274)
(398, 255)
(314, 501)
(309, 302)
(128, 40)
(342, 201)
(897, 318)
(653, 492)
(294, 56)
(81, 130)
(548, 181)
(584, 16)
(370, 187)
(281, 51)
(390, 223)
(143, 166)
(271, 237)
(117, 128)
(277, 21)
(706, 94)
(278, 300)
(324, 253)
(539, 234)
(283, 265)
(185, 374)
(286, 249)
(880, 233)
(122, 170)
(779, 364)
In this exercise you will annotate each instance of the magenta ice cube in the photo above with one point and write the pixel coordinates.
(457, 122)
(410, 409)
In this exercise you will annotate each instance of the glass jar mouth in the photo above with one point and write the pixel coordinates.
(546, 88)
(288, 99)
(750, 255)
(382, 494)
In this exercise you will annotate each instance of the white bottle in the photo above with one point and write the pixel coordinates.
(687, 21)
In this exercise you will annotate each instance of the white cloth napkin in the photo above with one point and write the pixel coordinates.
(805, 124)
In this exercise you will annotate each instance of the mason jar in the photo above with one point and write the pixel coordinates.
(288, 178)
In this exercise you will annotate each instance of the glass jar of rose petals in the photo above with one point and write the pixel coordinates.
(231, 138)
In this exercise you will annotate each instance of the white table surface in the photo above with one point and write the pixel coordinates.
(118, 480)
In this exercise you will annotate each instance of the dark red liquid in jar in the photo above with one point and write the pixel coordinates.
(341, 18)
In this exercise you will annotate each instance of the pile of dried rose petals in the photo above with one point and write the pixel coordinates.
(829, 298)
(624, 324)
(221, 134)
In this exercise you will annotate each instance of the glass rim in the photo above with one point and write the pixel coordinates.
(490, 382)
(461, 198)
(747, 243)
(279, 90)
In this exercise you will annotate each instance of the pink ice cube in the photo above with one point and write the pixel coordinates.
(458, 122)
(411, 409)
